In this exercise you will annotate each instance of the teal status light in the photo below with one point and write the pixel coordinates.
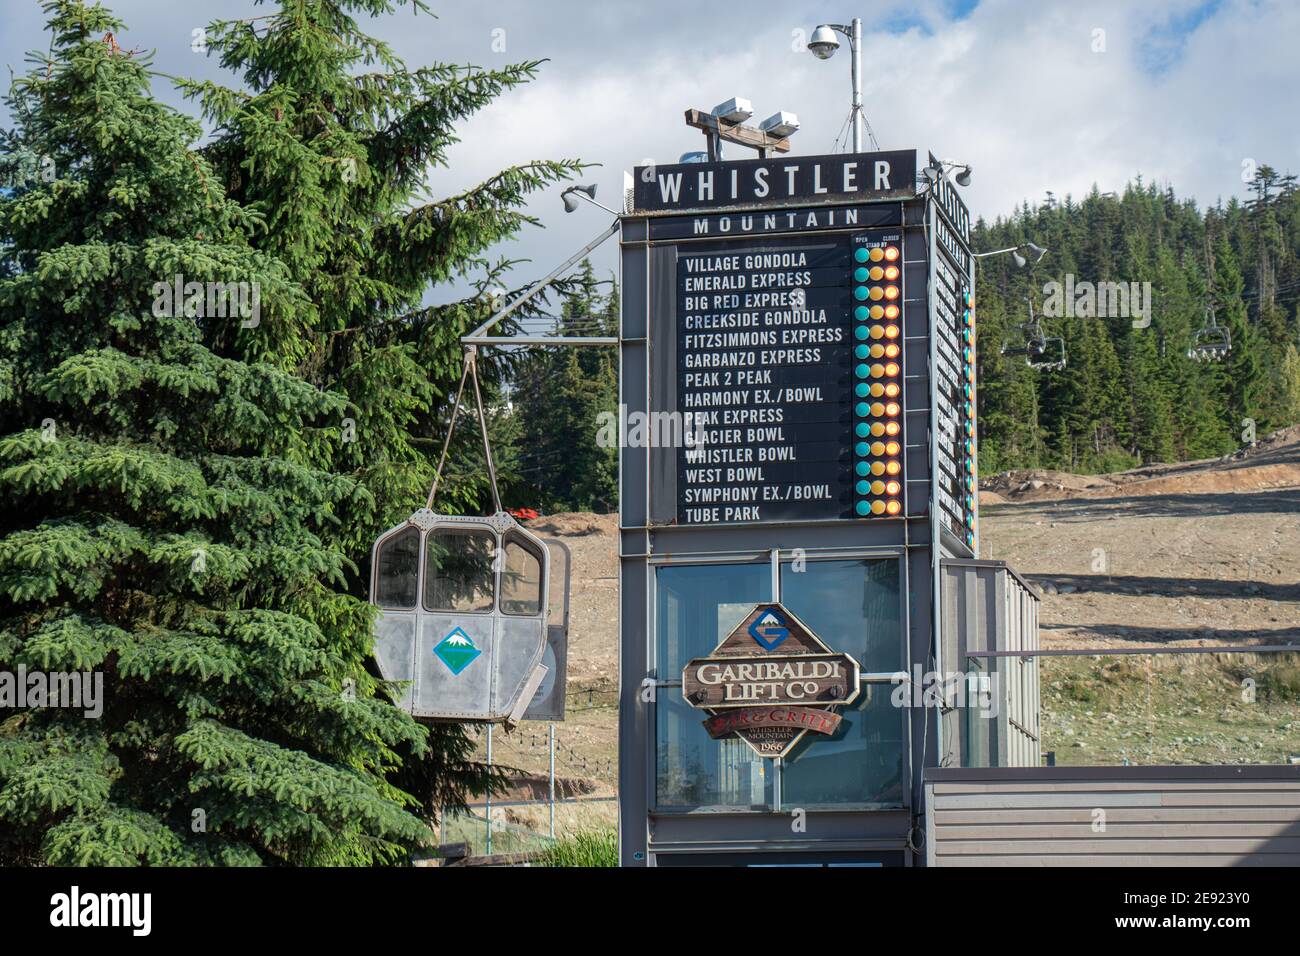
(862, 469)
(862, 371)
(860, 293)
(862, 429)
(861, 333)
(862, 352)
(862, 409)
(863, 508)
(861, 313)
(861, 254)
(862, 449)
(860, 274)
(863, 487)
(862, 390)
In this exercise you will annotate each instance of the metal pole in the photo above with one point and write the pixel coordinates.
(488, 805)
(855, 41)
(551, 775)
(473, 337)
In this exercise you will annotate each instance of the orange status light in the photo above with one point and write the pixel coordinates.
(891, 253)
(891, 487)
(891, 369)
(891, 311)
(894, 506)
(893, 467)
(891, 409)
(892, 428)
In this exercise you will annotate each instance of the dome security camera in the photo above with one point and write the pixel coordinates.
(823, 43)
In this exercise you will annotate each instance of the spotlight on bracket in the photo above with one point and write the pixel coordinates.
(780, 125)
(735, 110)
(571, 202)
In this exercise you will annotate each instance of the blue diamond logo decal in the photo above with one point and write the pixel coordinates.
(769, 630)
(457, 651)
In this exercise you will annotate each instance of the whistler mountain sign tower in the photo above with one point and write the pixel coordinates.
(806, 323)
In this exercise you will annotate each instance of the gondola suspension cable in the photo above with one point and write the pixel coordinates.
(468, 371)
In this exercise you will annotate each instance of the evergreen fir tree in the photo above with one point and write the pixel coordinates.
(165, 520)
(335, 138)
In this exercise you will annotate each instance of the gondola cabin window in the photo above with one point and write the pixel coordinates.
(458, 570)
(399, 570)
(521, 578)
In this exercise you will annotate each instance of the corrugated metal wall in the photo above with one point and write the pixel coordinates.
(988, 607)
(1113, 816)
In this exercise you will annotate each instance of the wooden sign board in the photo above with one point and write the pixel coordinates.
(770, 681)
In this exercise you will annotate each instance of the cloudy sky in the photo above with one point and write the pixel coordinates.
(1037, 96)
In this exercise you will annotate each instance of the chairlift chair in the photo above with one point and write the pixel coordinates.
(464, 623)
(1211, 342)
(1050, 354)
(1028, 340)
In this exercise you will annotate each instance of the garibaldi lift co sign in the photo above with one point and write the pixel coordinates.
(769, 682)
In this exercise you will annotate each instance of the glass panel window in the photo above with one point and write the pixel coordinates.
(861, 764)
(696, 606)
(398, 570)
(694, 770)
(853, 606)
(521, 578)
(458, 570)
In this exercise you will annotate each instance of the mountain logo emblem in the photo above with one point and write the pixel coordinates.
(457, 651)
(769, 630)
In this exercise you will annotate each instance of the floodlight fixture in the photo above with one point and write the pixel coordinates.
(735, 110)
(780, 125)
(588, 193)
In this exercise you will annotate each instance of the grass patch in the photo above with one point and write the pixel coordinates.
(589, 848)
(1163, 710)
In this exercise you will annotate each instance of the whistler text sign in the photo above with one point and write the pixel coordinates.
(787, 180)
(770, 681)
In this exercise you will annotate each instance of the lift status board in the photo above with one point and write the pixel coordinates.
(789, 378)
(956, 488)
